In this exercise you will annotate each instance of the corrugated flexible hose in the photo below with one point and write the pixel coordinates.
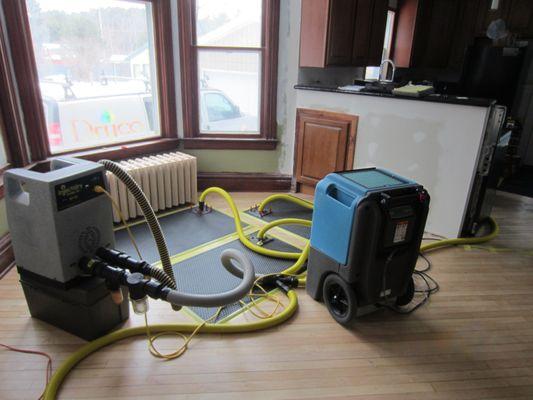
(166, 275)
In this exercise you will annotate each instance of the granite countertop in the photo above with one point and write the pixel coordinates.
(436, 98)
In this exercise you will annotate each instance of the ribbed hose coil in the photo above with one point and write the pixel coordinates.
(167, 275)
(161, 276)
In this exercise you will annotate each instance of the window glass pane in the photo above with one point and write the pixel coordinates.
(229, 91)
(228, 23)
(97, 71)
(3, 156)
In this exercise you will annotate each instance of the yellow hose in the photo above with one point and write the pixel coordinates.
(297, 266)
(91, 347)
(238, 227)
(427, 247)
(288, 197)
(61, 373)
(470, 240)
(283, 221)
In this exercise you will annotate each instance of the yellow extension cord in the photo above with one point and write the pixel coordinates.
(271, 321)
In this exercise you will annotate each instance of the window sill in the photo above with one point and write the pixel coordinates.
(110, 153)
(125, 150)
(220, 143)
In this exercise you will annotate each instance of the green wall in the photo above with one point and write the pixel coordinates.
(266, 161)
(3, 218)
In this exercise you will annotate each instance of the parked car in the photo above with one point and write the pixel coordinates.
(86, 114)
(81, 114)
(218, 113)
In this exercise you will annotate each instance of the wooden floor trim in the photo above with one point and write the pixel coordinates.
(7, 258)
(245, 181)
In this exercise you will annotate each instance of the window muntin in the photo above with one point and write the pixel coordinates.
(97, 71)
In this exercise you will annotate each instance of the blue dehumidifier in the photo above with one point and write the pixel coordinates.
(365, 240)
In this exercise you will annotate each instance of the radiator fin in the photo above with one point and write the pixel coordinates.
(168, 180)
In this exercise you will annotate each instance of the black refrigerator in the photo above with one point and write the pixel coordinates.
(489, 72)
(492, 71)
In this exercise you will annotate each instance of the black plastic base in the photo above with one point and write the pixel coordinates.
(85, 310)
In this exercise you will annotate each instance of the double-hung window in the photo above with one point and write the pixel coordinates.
(94, 74)
(228, 61)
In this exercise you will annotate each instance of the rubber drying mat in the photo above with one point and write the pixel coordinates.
(204, 273)
(285, 209)
(183, 230)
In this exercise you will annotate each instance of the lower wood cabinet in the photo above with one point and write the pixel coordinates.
(325, 142)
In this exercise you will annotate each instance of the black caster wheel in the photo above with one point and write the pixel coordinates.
(340, 299)
(406, 298)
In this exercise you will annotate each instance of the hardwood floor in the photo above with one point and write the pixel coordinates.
(474, 340)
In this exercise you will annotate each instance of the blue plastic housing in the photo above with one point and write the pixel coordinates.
(337, 197)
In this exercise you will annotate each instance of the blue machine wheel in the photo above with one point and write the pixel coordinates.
(340, 299)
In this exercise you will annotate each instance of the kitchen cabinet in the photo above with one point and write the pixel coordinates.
(517, 14)
(342, 32)
(436, 33)
(425, 32)
(325, 142)
(368, 37)
(520, 18)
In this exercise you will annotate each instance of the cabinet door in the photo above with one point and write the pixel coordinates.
(464, 34)
(520, 20)
(362, 33)
(325, 142)
(406, 24)
(369, 32)
(426, 33)
(517, 14)
(340, 32)
(313, 33)
(377, 36)
(437, 21)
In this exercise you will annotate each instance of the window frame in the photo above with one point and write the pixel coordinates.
(19, 33)
(192, 137)
(10, 116)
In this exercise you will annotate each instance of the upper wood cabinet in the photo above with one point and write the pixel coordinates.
(517, 14)
(368, 37)
(342, 32)
(436, 33)
(426, 32)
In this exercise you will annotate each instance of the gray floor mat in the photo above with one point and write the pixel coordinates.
(204, 274)
(183, 230)
(285, 209)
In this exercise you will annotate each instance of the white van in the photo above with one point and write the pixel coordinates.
(82, 115)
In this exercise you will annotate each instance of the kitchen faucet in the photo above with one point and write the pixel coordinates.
(384, 79)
